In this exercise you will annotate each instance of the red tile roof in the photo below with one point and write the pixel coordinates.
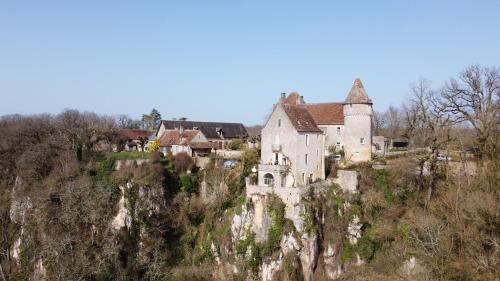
(300, 118)
(174, 137)
(326, 113)
(170, 137)
(202, 145)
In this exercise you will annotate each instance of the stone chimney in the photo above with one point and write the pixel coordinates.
(301, 100)
(181, 129)
(282, 97)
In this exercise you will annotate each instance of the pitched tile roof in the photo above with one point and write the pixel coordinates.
(357, 93)
(171, 137)
(209, 129)
(300, 118)
(174, 137)
(203, 145)
(326, 113)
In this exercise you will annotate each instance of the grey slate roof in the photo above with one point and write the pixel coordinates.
(210, 129)
(358, 93)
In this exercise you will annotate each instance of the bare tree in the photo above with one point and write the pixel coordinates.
(183, 162)
(379, 122)
(430, 125)
(474, 98)
(125, 122)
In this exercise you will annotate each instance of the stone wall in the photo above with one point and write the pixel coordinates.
(358, 124)
(280, 133)
(331, 136)
(129, 163)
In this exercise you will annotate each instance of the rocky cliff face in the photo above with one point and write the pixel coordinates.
(302, 240)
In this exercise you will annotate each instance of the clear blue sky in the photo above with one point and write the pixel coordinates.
(229, 60)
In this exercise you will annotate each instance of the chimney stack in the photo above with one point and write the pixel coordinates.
(301, 100)
(283, 97)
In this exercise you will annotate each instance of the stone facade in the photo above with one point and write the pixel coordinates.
(334, 137)
(358, 136)
(291, 157)
(347, 125)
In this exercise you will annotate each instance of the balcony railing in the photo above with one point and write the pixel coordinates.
(272, 168)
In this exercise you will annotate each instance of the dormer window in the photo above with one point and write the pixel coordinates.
(338, 131)
(195, 128)
(219, 132)
(307, 140)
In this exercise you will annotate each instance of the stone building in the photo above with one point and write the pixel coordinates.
(298, 135)
(292, 148)
(132, 140)
(358, 124)
(193, 142)
(219, 133)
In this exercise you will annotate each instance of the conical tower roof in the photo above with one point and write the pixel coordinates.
(357, 93)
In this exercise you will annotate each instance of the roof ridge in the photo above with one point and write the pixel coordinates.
(319, 103)
(208, 122)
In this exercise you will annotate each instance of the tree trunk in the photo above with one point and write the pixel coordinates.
(1, 273)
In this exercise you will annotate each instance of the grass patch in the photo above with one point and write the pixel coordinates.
(129, 155)
(382, 181)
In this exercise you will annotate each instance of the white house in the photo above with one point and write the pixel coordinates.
(193, 142)
(297, 135)
(292, 148)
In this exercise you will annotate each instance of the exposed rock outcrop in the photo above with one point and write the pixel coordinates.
(123, 217)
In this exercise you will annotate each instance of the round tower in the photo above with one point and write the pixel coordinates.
(358, 113)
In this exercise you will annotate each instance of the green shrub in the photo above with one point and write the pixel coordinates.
(366, 248)
(187, 183)
(347, 252)
(236, 144)
(382, 181)
(104, 168)
(276, 209)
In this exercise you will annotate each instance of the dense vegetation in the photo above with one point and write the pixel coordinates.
(59, 194)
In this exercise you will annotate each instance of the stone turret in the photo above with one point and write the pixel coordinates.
(358, 124)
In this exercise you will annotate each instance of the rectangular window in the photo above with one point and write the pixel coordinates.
(304, 177)
(279, 122)
(307, 158)
(362, 140)
(338, 131)
(307, 140)
(310, 178)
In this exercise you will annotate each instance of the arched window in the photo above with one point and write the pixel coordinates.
(268, 179)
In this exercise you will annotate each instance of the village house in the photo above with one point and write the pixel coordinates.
(218, 133)
(298, 135)
(193, 142)
(132, 140)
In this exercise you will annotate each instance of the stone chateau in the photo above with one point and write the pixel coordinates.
(298, 135)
